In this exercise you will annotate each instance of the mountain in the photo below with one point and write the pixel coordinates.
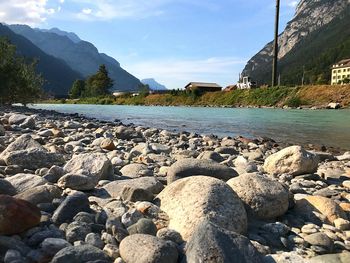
(312, 41)
(153, 84)
(58, 75)
(72, 36)
(81, 56)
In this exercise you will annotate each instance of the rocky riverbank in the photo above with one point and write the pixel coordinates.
(74, 189)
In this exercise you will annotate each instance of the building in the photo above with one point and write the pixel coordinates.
(205, 87)
(340, 71)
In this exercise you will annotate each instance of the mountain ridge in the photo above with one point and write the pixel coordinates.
(82, 56)
(59, 76)
(309, 17)
(153, 84)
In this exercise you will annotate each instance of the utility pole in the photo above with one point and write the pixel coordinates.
(303, 77)
(275, 46)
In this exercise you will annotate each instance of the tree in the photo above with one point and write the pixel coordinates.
(19, 83)
(78, 89)
(99, 84)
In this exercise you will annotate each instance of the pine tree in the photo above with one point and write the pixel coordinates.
(99, 84)
(78, 89)
(19, 83)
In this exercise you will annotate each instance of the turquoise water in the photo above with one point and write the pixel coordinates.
(320, 127)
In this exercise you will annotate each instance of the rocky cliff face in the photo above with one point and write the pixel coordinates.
(310, 15)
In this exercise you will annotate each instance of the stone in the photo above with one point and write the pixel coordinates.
(293, 160)
(33, 159)
(307, 205)
(22, 182)
(51, 246)
(77, 231)
(193, 167)
(211, 243)
(135, 170)
(143, 226)
(17, 118)
(210, 155)
(6, 188)
(285, 257)
(131, 217)
(189, 200)
(107, 144)
(78, 182)
(78, 254)
(263, 198)
(14, 243)
(334, 105)
(111, 250)
(170, 234)
(226, 150)
(73, 204)
(95, 165)
(331, 258)
(319, 239)
(136, 194)
(2, 130)
(342, 224)
(147, 249)
(160, 148)
(17, 215)
(151, 184)
(23, 142)
(13, 256)
(40, 236)
(127, 133)
(40, 194)
(94, 239)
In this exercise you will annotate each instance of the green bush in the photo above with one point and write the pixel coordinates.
(293, 102)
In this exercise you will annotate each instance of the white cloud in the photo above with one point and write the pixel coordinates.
(176, 73)
(86, 11)
(292, 3)
(31, 12)
(111, 9)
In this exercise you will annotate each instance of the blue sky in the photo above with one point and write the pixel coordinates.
(173, 41)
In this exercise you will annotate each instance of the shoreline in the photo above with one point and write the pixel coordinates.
(306, 145)
(119, 192)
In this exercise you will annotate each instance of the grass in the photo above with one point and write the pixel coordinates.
(276, 96)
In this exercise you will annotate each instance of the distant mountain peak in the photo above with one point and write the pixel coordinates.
(153, 84)
(72, 36)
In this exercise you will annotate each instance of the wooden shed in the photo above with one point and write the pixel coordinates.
(202, 86)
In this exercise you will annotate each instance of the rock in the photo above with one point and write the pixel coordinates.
(77, 231)
(226, 150)
(17, 118)
(293, 160)
(17, 215)
(190, 200)
(50, 246)
(111, 250)
(23, 142)
(127, 133)
(263, 198)
(209, 155)
(22, 182)
(7, 243)
(192, 167)
(331, 258)
(135, 170)
(334, 105)
(6, 188)
(90, 164)
(342, 224)
(13, 256)
(131, 217)
(147, 249)
(170, 234)
(143, 226)
(80, 254)
(2, 130)
(73, 204)
(285, 257)
(40, 194)
(28, 123)
(211, 243)
(45, 133)
(94, 240)
(160, 148)
(107, 144)
(307, 205)
(77, 182)
(33, 159)
(319, 239)
(136, 194)
(150, 184)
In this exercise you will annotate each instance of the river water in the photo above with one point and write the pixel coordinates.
(320, 127)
